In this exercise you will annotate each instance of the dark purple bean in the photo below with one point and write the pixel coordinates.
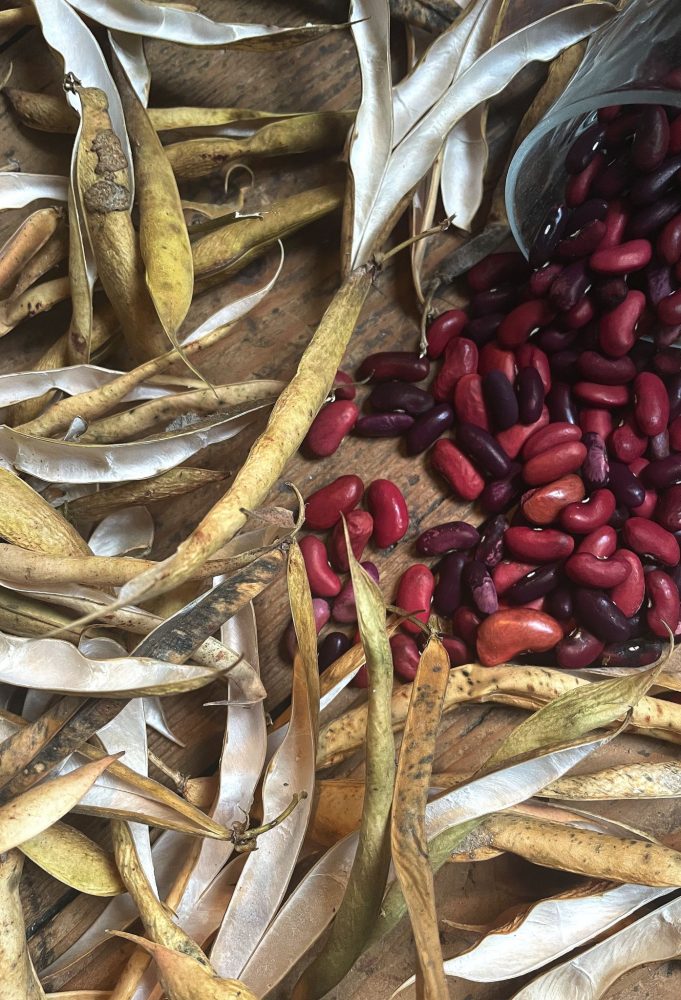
(620, 517)
(530, 395)
(668, 509)
(628, 489)
(642, 354)
(490, 550)
(651, 141)
(391, 396)
(583, 243)
(453, 535)
(484, 449)
(665, 335)
(483, 329)
(496, 300)
(564, 365)
(552, 340)
(500, 399)
(597, 613)
(559, 603)
(659, 281)
(533, 585)
(570, 286)
(501, 493)
(583, 148)
(428, 428)
(594, 367)
(578, 650)
(596, 467)
(635, 653)
(645, 190)
(615, 179)
(658, 445)
(389, 365)
(663, 473)
(481, 586)
(674, 393)
(447, 592)
(646, 221)
(561, 404)
(610, 293)
(331, 648)
(595, 209)
(548, 236)
(381, 425)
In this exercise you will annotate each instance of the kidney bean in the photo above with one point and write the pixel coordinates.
(646, 221)
(651, 141)
(490, 548)
(507, 573)
(361, 678)
(626, 442)
(530, 395)
(414, 594)
(447, 537)
(668, 509)
(482, 329)
(530, 356)
(628, 595)
(360, 528)
(579, 186)
(674, 393)
(515, 438)
(537, 583)
(674, 440)
(675, 136)
(564, 365)
(613, 179)
(622, 259)
(588, 211)
(601, 542)
(551, 436)
(493, 358)
(344, 607)
(553, 340)
(461, 358)
(469, 403)
(578, 316)
(595, 421)
(628, 489)
(548, 236)
(388, 508)
(616, 219)
(594, 367)
(406, 366)
(321, 611)
(496, 269)
(597, 613)
(601, 395)
(382, 425)
(457, 650)
(558, 603)
(648, 538)
(610, 293)
(621, 514)
(343, 386)
(609, 113)
(577, 650)
(669, 309)
(495, 300)
(406, 656)
(589, 571)
(554, 463)
(332, 648)
(324, 507)
(663, 473)
(635, 653)
(428, 428)
(582, 243)
(663, 594)
(447, 592)
(617, 328)
(666, 335)
(465, 622)
(448, 324)
(391, 396)
(596, 466)
(582, 518)
(548, 502)
(455, 468)
(501, 493)
(645, 190)
(323, 581)
(333, 422)
(517, 325)
(508, 633)
(651, 403)
(570, 285)
(647, 508)
(481, 587)
(659, 283)
(582, 150)
(541, 280)
(624, 127)
(538, 545)
(666, 362)
(485, 451)
(669, 241)
(561, 404)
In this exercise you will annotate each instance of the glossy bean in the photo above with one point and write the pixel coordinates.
(482, 329)
(324, 507)
(613, 178)
(469, 402)
(559, 603)
(457, 651)
(606, 396)
(663, 473)
(651, 403)
(601, 542)
(595, 367)
(537, 583)
(651, 140)
(594, 208)
(589, 571)
(480, 586)
(561, 404)
(515, 438)
(343, 386)
(553, 340)
(323, 581)
(494, 300)
(391, 396)
(493, 358)
(554, 435)
(530, 395)
(580, 186)
(674, 439)
(663, 596)
(581, 314)
(634, 653)
(626, 442)
(622, 259)
(647, 189)
(517, 325)
(490, 548)
(447, 591)
(597, 613)
(669, 241)
(668, 509)
(360, 526)
(406, 656)
(616, 219)
(448, 537)
(539, 545)
(333, 422)
(466, 622)
(651, 539)
(496, 269)
(582, 518)
(388, 508)
(331, 648)
(548, 236)
(541, 280)
(500, 494)
(428, 428)
(484, 449)
(380, 425)
(646, 221)
(577, 650)
(547, 503)
(554, 463)
(570, 285)
(647, 508)
(669, 309)
(531, 356)
(593, 420)
(617, 328)
(583, 243)
(582, 150)
(508, 633)
(344, 609)
(405, 366)
(461, 358)
(628, 488)
(507, 573)
(447, 325)
(414, 594)
(659, 282)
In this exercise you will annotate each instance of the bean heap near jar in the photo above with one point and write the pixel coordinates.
(556, 407)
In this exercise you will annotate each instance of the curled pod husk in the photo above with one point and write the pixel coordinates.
(175, 482)
(51, 254)
(19, 978)
(39, 299)
(26, 519)
(29, 238)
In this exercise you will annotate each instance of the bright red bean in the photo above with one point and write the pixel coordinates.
(663, 594)
(507, 633)
(517, 325)
(548, 502)
(469, 402)
(589, 571)
(406, 656)
(360, 528)
(538, 545)
(514, 439)
(529, 356)
(622, 259)
(493, 358)
(333, 422)
(414, 594)
(596, 421)
(582, 518)
(554, 463)
(507, 572)
(651, 403)
(447, 325)
(626, 442)
(325, 506)
(651, 539)
(617, 328)
(461, 358)
(389, 510)
(452, 464)
(616, 219)
(601, 542)
(601, 395)
(555, 434)
(628, 596)
(323, 580)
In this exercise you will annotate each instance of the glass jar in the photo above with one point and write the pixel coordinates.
(623, 64)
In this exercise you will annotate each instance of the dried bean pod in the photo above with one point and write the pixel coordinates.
(333, 422)
(597, 613)
(454, 535)
(406, 366)
(391, 396)
(648, 538)
(447, 592)
(324, 507)
(485, 451)
(332, 648)
(414, 594)
(388, 508)
(406, 656)
(482, 590)
(508, 633)
(380, 425)
(577, 650)
(663, 595)
(323, 580)
(428, 428)
(360, 526)
(549, 502)
(538, 545)
(447, 325)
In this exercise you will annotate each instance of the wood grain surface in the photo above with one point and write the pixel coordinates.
(268, 343)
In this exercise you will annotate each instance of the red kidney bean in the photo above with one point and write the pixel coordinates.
(559, 433)
(546, 504)
(663, 473)
(570, 285)
(515, 438)
(663, 594)
(669, 241)
(361, 678)
(601, 542)
(482, 329)
(666, 362)
(360, 528)
(485, 451)
(558, 603)
(496, 269)
(447, 592)
(447, 325)
(447, 537)
(537, 583)
(668, 509)
(391, 396)
(493, 358)
(343, 386)
(674, 393)
(579, 186)
(651, 403)
(617, 328)
(674, 437)
(611, 180)
(596, 466)
(332, 648)
(506, 573)
(465, 622)
(651, 141)
(414, 594)
(597, 613)
(322, 613)
(529, 356)
(626, 442)
(651, 539)
(582, 243)
(647, 508)
(508, 633)
(428, 428)
(481, 587)
(501, 493)
(461, 358)
(469, 403)
(457, 650)
(452, 464)
(561, 404)
(610, 293)
(323, 581)
(324, 507)
(601, 395)
(622, 259)
(554, 463)
(406, 656)
(628, 595)
(594, 367)
(538, 545)
(594, 208)
(577, 650)
(548, 236)
(628, 489)
(624, 127)
(493, 301)
(635, 653)
(406, 366)
(388, 508)
(669, 309)
(595, 421)
(616, 219)
(582, 518)
(381, 425)
(344, 607)
(582, 150)
(589, 571)
(490, 548)
(530, 395)
(541, 280)
(645, 190)
(500, 400)
(517, 325)
(333, 422)
(646, 221)
(666, 335)
(621, 514)
(579, 316)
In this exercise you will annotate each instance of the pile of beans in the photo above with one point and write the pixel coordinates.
(562, 394)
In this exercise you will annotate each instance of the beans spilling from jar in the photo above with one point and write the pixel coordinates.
(552, 401)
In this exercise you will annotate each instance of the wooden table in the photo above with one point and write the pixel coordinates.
(268, 343)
